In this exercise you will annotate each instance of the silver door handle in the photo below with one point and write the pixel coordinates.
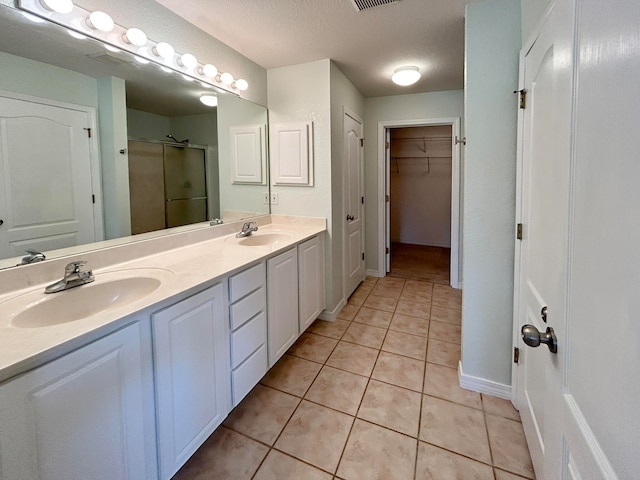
(532, 337)
(350, 218)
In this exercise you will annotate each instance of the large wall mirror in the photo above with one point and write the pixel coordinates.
(80, 124)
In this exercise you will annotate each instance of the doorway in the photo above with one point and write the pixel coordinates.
(419, 211)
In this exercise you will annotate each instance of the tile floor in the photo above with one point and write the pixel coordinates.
(373, 395)
(419, 262)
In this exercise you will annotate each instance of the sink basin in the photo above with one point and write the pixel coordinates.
(109, 290)
(261, 239)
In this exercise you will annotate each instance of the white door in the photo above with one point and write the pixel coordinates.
(353, 205)
(578, 407)
(387, 198)
(46, 197)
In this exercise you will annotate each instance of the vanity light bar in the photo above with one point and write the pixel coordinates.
(132, 40)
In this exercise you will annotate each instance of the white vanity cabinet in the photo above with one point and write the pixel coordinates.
(310, 281)
(248, 322)
(190, 346)
(282, 303)
(82, 415)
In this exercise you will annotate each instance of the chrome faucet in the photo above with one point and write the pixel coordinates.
(215, 221)
(74, 276)
(247, 229)
(33, 257)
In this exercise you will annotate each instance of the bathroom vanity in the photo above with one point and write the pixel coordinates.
(126, 377)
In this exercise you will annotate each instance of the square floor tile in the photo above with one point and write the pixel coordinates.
(401, 371)
(375, 318)
(413, 295)
(291, 375)
(442, 382)
(391, 407)
(437, 464)
(279, 466)
(313, 347)
(383, 290)
(500, 407)
(414, 309)
(418, 286)
(373, 452)
(388, 304)
(409, 324)
(262, 414)
(445, 296)
(445, 332)
(316, 434)
(348, 311)
(502, 475)
(446, 315)
(333, 329)
(225, 454)
(455, 427)
(357, 298)
(405, 344)
(509, 446)
(337, 389)
(365, 335)
(443, 353)
(391, 281)
(353, 358)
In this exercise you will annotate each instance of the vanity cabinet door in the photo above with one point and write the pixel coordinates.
(310, 281)
(192, 375)
(282, 303)
(81, 416)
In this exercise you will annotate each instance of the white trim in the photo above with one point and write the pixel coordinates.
(455, 188)
(374, 273)
(482, 385)
(332, 315)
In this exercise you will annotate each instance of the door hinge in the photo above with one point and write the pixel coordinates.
(88, 132)
(523, 98)
(387, 145)
(516, 354)
(386, 198)
(362, 255)
(93, 199)
(519, 231)
(362, 200)
(362, 142)
(386, 250)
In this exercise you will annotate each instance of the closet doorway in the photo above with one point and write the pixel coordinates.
(421, 214)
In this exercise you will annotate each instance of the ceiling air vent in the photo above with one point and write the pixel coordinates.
(365, 4)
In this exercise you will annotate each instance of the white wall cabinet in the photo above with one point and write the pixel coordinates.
(291, 155)
(248, 320)
(81, 416)
(191, 374)
(282, 302)
(311, 293)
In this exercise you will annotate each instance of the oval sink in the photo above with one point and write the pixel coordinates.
(81, 302)
(260, 239)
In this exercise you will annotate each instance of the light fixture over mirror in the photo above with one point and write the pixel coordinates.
(405, 76)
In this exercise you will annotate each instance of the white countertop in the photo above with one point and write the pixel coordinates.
(182, 269)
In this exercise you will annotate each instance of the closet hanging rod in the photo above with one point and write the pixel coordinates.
(407, 139)
(420, 158)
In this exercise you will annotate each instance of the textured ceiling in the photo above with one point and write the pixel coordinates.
(367, 46)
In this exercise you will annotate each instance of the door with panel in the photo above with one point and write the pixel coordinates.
(353, 205)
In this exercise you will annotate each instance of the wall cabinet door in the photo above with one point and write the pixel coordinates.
(192, 375)
(282, 303)
(310, 281)
(80, 416)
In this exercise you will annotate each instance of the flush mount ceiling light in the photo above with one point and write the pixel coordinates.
(406, 76)
(135, 36)
(100, 21)
(59, 6)
(164, 50)
(209, 100)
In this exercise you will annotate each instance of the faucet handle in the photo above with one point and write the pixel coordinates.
(74, 267)
(247, 225)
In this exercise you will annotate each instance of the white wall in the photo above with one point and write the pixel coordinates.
(421, 185)
(444, 104)
(147, 126)
(492, 44)
(532, 11)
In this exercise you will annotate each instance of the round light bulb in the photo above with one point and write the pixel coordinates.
(165, 69)
(187, 78)
(100, 21)
(58, 6)
(141, 60)
(135, 36)
(241, 84)
(209, 100)
(406, 76)
(164, 50)
(208, 70)
(226, 78)
(33, 18)
(188, 61)
(111, 48)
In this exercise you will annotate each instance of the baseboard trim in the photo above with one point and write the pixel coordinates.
(375, 273)
(332, 315)
(482, 385)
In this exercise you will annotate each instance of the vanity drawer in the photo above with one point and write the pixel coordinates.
(245, 282)
(248, 338)
(247, 375)
(247, 308)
